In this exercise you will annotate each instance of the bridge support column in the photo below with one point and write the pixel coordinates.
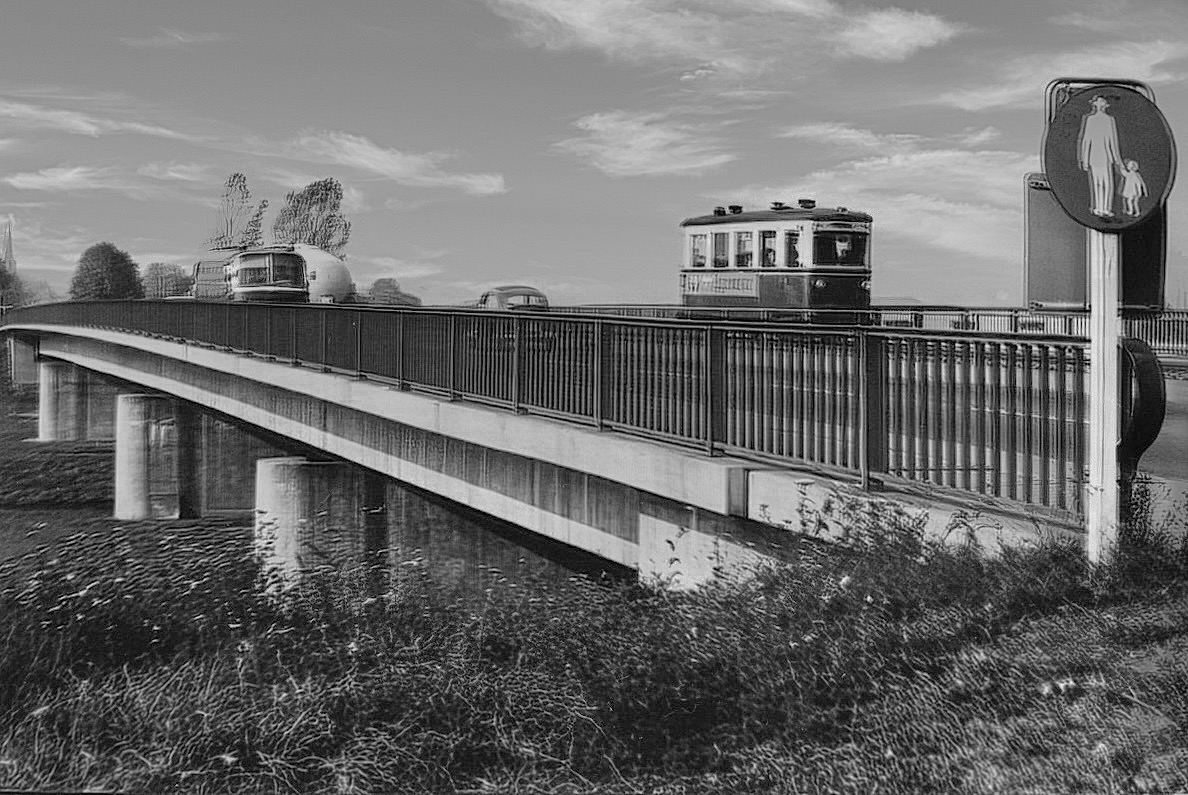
(61, 415)
(309, 516)
(146, 458)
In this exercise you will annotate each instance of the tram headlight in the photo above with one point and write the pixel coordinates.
(864, 285)
(819, 284)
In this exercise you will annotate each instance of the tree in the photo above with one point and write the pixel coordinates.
(313, 216)
(387, 291)
(161, 280)
(12, 290)
(235, 227)
(105, 271)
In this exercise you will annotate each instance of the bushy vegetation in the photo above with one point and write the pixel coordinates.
(151, 658)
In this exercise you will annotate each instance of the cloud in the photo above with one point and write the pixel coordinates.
(170, 37)
(891, 34)
(724, 37)
(64, 178)
(848, 136)
(1021, 81)
(78, 123)
(625, 144)
(356, 151)
(182, 172)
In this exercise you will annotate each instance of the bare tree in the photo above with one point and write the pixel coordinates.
(238, 224)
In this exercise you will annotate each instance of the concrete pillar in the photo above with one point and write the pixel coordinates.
(145, 465)
(22, 361)
(60, 402)
(309, 516)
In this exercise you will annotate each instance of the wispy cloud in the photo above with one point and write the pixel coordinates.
(78, 123)
(356, 151)
(625, 144)
(892, 34)
(171, 37)
(849, 137)
(182, 172)
(727, 37)
(1021, 80)
(65, 178)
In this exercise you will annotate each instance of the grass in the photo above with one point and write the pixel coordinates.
(150, 657)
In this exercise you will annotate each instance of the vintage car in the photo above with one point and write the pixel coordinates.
(513, 296)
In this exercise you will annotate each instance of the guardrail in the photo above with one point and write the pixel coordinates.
(995, 415)
(1166, 331)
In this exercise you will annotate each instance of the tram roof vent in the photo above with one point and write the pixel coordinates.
(807, 204)
(719, 211)
(735, 209)
(779, 206)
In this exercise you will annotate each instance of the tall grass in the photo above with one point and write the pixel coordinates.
(145, 659)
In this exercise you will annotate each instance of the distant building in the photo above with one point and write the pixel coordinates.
(8, 262)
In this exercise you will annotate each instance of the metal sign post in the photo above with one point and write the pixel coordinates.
(1102, 502)
(1110, 160)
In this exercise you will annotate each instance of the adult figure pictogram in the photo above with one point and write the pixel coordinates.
(1098, 146)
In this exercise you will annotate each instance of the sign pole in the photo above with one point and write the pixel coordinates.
(1102, 508)
(1110, 161)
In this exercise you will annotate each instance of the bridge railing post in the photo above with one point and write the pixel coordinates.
(872, 433)
(600, 379)
(517, 362)
(399, 374)
(713, 377)
(452, 359)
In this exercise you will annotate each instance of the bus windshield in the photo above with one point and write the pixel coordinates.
(839, 248)
(286, 268)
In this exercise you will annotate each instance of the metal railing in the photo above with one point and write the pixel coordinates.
(992, 414)
(1166, 331)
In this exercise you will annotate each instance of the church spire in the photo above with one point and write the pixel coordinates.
(8, 261)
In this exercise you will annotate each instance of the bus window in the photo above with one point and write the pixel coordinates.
(253, 270)
(720, 258)
(791, 249)
(286, 269)
(840, 248)
(742, 249)
(767, 245)
(697, 254)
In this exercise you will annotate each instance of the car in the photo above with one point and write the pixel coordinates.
(513, 296)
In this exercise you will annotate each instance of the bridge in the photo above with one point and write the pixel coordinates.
(674, 447)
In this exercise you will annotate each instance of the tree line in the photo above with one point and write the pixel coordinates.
(312, 215)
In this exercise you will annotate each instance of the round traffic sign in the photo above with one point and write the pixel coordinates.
(1109, 156)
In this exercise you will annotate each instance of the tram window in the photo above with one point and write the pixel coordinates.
(697, 253)
(792, 249)
(721, 260)
(840, 248)
(767, 244)
(742, 249)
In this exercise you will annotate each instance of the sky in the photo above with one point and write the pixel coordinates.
(559, 143)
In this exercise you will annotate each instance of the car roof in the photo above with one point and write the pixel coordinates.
(516, 288)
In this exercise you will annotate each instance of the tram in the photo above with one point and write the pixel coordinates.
(784, 257)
